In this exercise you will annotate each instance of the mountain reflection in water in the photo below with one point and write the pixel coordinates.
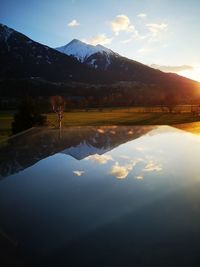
(26, 149)
(102, 196)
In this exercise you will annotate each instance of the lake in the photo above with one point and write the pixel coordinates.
(101, 196)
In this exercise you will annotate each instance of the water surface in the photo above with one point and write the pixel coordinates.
(102, 196)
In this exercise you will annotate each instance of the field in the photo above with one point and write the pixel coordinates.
(118, 116)
(6, 119)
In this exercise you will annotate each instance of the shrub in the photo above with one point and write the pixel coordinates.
(28, 115)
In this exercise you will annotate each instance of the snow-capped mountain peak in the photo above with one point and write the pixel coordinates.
(83, 52)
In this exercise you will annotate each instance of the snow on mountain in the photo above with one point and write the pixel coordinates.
(85, 52)
(81, 50)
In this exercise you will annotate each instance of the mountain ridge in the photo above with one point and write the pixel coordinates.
(85, 53)
(23, 58)
(86, 50)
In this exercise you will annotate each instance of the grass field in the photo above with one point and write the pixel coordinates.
(106, 117)
(6, 119)
(121, 118)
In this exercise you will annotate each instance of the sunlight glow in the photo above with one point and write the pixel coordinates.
(191, 74)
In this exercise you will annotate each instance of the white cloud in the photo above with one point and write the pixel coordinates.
(139, 177)
(122, 23)
(144, 50)
(140, 148)
(124, 157)
(172, 68)
(142, 15)
(122, 171)
(127, 41)
(78, 173)
(99, 39)
(152, 166)
(73, 23)
(101, 159)
(156, 28)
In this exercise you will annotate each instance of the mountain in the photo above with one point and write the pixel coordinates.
(93, 66)
(22, 57)
(155, 86)
(26, 149)
(95, 56)
(83, 51)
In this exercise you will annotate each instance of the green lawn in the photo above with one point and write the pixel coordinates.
(121, 117)
(106, 117)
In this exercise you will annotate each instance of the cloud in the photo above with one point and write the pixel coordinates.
(122, 171)
(140, 148)
(172, 68)
(152, 166)
(78, 173)
(144, 50)
(156, 28)
(142, 15)
(99, 39)
(122, 23)
(139, 177)
(101, 159)
(127, 41)
(124, 157)
(73, 23)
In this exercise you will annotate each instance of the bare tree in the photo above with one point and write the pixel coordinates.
(58, 106)
(170, 101)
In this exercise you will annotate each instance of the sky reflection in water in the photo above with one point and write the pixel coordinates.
(135, 197)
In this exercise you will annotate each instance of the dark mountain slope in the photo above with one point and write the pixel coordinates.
(40, 66)
(22, 57)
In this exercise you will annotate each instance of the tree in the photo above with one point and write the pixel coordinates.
(58, 106)
(28, 115)
(170, 101)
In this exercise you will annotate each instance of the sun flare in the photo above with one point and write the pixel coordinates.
(193, 74)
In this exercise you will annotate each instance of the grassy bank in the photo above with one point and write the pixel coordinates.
(106, 117)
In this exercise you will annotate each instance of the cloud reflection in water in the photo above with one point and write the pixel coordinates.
(78, 173)
(122, 171)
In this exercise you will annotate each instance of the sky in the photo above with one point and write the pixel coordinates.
(161, 33)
